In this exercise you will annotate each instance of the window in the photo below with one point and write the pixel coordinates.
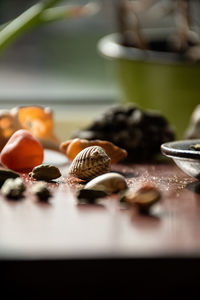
(58, 64)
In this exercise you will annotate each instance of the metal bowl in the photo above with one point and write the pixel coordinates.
(186, 159)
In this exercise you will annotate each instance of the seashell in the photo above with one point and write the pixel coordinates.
(108, 183)
(89, 163)
(143, 198)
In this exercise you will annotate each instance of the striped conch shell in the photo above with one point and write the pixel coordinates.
(89, 163)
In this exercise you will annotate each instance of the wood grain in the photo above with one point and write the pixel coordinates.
(64, 230)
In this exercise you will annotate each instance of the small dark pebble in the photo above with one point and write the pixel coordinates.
(144, 210)
(89, 196)
(41, 191)
(6, 174)
(13, 188)
(45, 172)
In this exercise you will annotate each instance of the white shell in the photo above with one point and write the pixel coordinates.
(109, 183)
(89, 163)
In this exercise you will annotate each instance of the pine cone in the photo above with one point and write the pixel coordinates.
(140, 132)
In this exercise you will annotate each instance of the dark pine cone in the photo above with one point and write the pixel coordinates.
(139, 132)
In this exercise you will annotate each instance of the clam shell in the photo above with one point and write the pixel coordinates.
(145, 196)
(89, 163)
(108, 183)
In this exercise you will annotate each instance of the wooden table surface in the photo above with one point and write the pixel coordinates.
(63, 231)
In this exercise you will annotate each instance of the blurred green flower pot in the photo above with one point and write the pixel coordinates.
(163, 81)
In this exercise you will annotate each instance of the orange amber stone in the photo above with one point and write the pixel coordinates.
(37, 120)
(22, 152)
(72, 147)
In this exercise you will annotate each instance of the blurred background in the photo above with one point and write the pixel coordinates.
(58, 65)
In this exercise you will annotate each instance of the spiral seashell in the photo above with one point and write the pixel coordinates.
(89, 163)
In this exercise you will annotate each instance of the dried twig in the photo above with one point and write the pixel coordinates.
(132, 13)
(160, 10)
(129, 25)
(182, 25)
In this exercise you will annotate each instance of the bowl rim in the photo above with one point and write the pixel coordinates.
(172, 149)
(109, 46)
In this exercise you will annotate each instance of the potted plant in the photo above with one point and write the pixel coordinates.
(158, 66)
(39, 14)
